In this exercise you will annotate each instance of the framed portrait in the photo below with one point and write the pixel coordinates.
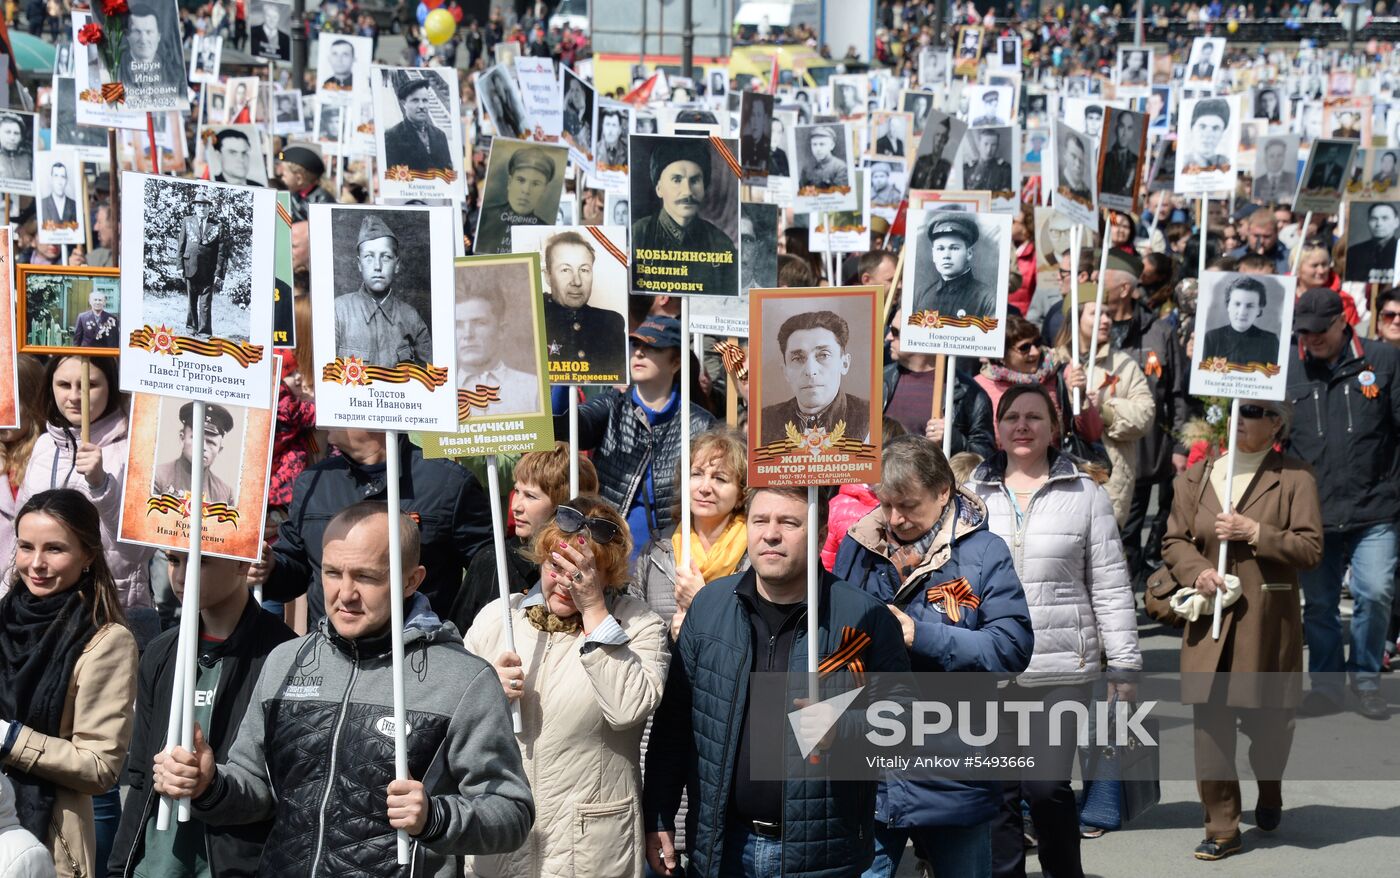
(1325, 176)
(1348, 120)
(1120, 159)
(889, 135)
(1205, 62)
(579, 120)
(825, 167)
(539, 93)
(500, 100)
(235, 443)
(1034, 150)
(58, 197)
(233, 154)
(1009, 53)
(814, 386)
(952, 199)
(1269, 104)
(692, 187)
(1275, 174)
(841, 231)
(88, 141)
(196, 317)
(1243, 324)
(206, 51)
(955, 282)
(1133, 72)
(397, 371)
(938, 149)
(67, 310)
(1075, 186)
(584, 295)
(967, 55)
(1207, 144)
(1052, 237)
(270, 29)
(152, 69)
(781, 181)
(1377, 179)
(18, 145)
(418, 132)
(523, 187)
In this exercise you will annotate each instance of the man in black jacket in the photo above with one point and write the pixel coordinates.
(452, 511)
(1346, 405)
(235, 638)
(908, 398)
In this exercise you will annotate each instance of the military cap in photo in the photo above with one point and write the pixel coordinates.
(373, 228)
(823, 131)
(531, 158)
(1212, 107)
(216, 418)
(680, 149)
(956, 224)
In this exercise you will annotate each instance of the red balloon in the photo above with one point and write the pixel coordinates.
(432, 4)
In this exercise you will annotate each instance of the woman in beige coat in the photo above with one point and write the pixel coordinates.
(587, 671)
(67, 676)
(1120, 397)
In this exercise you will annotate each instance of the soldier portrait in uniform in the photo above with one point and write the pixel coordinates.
(988, 105)
(957, 268)
(816, 351)
(418, 113)
(96, 327)
(585, 300)
(953, 289)
(381, 298)
(1243, 325)
(612, 139)
(685, 216)
(939, 145)
(172, 476)
(759, 136)
(822, 157)
(495, 343)
(1371, 239)
(17, 152)
(1120, 166)
(1205, 151)
(523, 184)
(1074, 167)
(986, 160)
(887, 180)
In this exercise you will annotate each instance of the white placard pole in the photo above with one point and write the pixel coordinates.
(391, 472)
(1076, 235)
(1094, 336)
(1205, 228)
(1227, 502)
(949, 380)
(1298, 248)
(172, 729)
(685, 434)
(573, 440)
(185, 677)
(498, 539)
(813, 572)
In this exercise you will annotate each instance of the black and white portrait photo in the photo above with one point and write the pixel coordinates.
(1372, 228)
(500, 97)
(524, 182)
(687, 203)
(843, 231)
(579, 104)
(1075, 184)
(756, 135)
(330, 124)
(17, 145)
(1204, 64)
(987, 160)
(917, 104)
(935, 66)
(989, 105)
(1134, 70)
(89, 141)
(286, 113)
(1325, 175)
(758, 234)
(1275, 170)
(233, 154)
(1035, 110)
(270, 29)
(1120, 161)
(342, 64)
(1243, 324)
(418, 131)
(585, 300)
(824, 168)
(954, 296)
(610, 158)
(1208, 138)
(152, 68)
(1269, 104)
(218, 443)
(890, 135)
(382, 310)
(1009, 53)
(938, 147)
(58, 179)
(1384, 172)
(644, 123)
(496, 339)
(617, 208)
(206, 51)
(194, 283)
(849, 93)
(241, 100)
(888, 185)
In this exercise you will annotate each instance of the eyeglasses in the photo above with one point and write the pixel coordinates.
(1025, 347)
(894, 332)
(1390, 316)
(1255, 412)
(571, 521)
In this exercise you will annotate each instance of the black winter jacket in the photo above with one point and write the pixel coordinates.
(974, 425)
(453, 514)
(1152, 343)
(1346, 425)
(232, 851)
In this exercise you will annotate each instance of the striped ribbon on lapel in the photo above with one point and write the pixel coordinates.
(847, 655)
(954, 594)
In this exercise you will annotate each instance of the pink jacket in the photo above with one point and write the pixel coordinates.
(849, 505)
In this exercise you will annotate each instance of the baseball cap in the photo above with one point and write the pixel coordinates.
(1316, 309)
(659, 331)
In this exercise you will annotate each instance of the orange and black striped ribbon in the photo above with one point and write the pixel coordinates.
(403, 174)
(955, 594)
(220, 512)
(1220, 364)
(606, 243)
(736, 361)
(723, 149)
(781, 448)
(847, 655)
(933, 320)
(431, 377)
(284, 214)
(246, 354)
(483, 396)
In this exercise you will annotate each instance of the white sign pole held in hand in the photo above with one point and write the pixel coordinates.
(1227, 502)
(573, 441)
(1076, 236)
(498, 539)
(814, 563)
(685, 434)
(950, 381)
(1098, 310)
(189, 608)
(391, 472)
(172, 728)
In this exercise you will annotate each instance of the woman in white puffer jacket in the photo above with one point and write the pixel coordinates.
(1058, 523)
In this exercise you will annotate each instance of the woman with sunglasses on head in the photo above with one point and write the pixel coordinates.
(1025, 362)
(1068, 555)
(67, 676)
(1274, 530)
(587, 671)
(61, 459)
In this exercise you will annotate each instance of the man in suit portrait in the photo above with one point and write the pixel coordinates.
(1329, 169)
(235, 152)
(270, 41)
(479, 315)
(1373, 260)
(987, 170)
(96, 327)
(1241, 341)
(1277, 184)
(574, 329)
(16, 156)
(416, 142)
(891, 141)
(342, 60)
(373, 321)
(1267, 106)
(1204, 68)
(1120, 166)
(204, 260)
(174, 477)
(815, 360)
(60, 211)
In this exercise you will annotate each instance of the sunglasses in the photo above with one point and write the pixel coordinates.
(1255, 412)
(1024, 347)
(571, 521)
(1390, 316)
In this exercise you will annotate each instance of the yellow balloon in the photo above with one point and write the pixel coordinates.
(439, 26)
(1231, 27)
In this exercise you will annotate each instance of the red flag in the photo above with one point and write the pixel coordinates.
(9, 50)
(897, 227)
(642, 93)
(773, 75)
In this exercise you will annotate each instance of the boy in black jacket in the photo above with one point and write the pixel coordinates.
(235, 637)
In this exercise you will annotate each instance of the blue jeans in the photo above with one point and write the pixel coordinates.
(748, 855)
(1371, 553)
(107, 815)
(951, 851)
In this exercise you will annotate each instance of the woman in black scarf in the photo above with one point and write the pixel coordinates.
(67, 676)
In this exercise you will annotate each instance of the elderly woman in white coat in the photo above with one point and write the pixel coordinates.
(1059, 525)
(588, 669)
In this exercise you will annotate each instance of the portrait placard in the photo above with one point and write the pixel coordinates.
(889, 136)
(206, 52)
(342, 67)
(1052, 237)
(236, 444)
(968, 55)
(685, 216)
(938, 148)
(841, 231)
(918, 104)
(611, 158)
(990, 160)
(68, 310)
(381, 317)
(539, 90)
(825, 165)
(1208, 139)
(88, 141)
(1074, 182)
(524, 184)
(1325, 176)
(91, 76)
(418, 132)
(814, 386)
(758, 261)
(1371, 237)
(1204, 64)
(232, 154)
(284, 322)
(1134, 71)
(756, 131)
(888, 181)
(58, 175)
(989, 106)
(956, 273)
(9, 341)
(1120, 159)
(270, 29)
(241, 101)
(196, 317)
(1275, 175)
(1379, 177)
(500, 100)
(152, 66)
(850, 93)
(579, 119)
(1243, 324)
(287, 119)
(502, 396)
(584, 273)
(18, 144)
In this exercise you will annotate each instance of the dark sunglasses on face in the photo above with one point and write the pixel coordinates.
(571, 521)
(1390, 316)
(1255, 412)
(1024, 348)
